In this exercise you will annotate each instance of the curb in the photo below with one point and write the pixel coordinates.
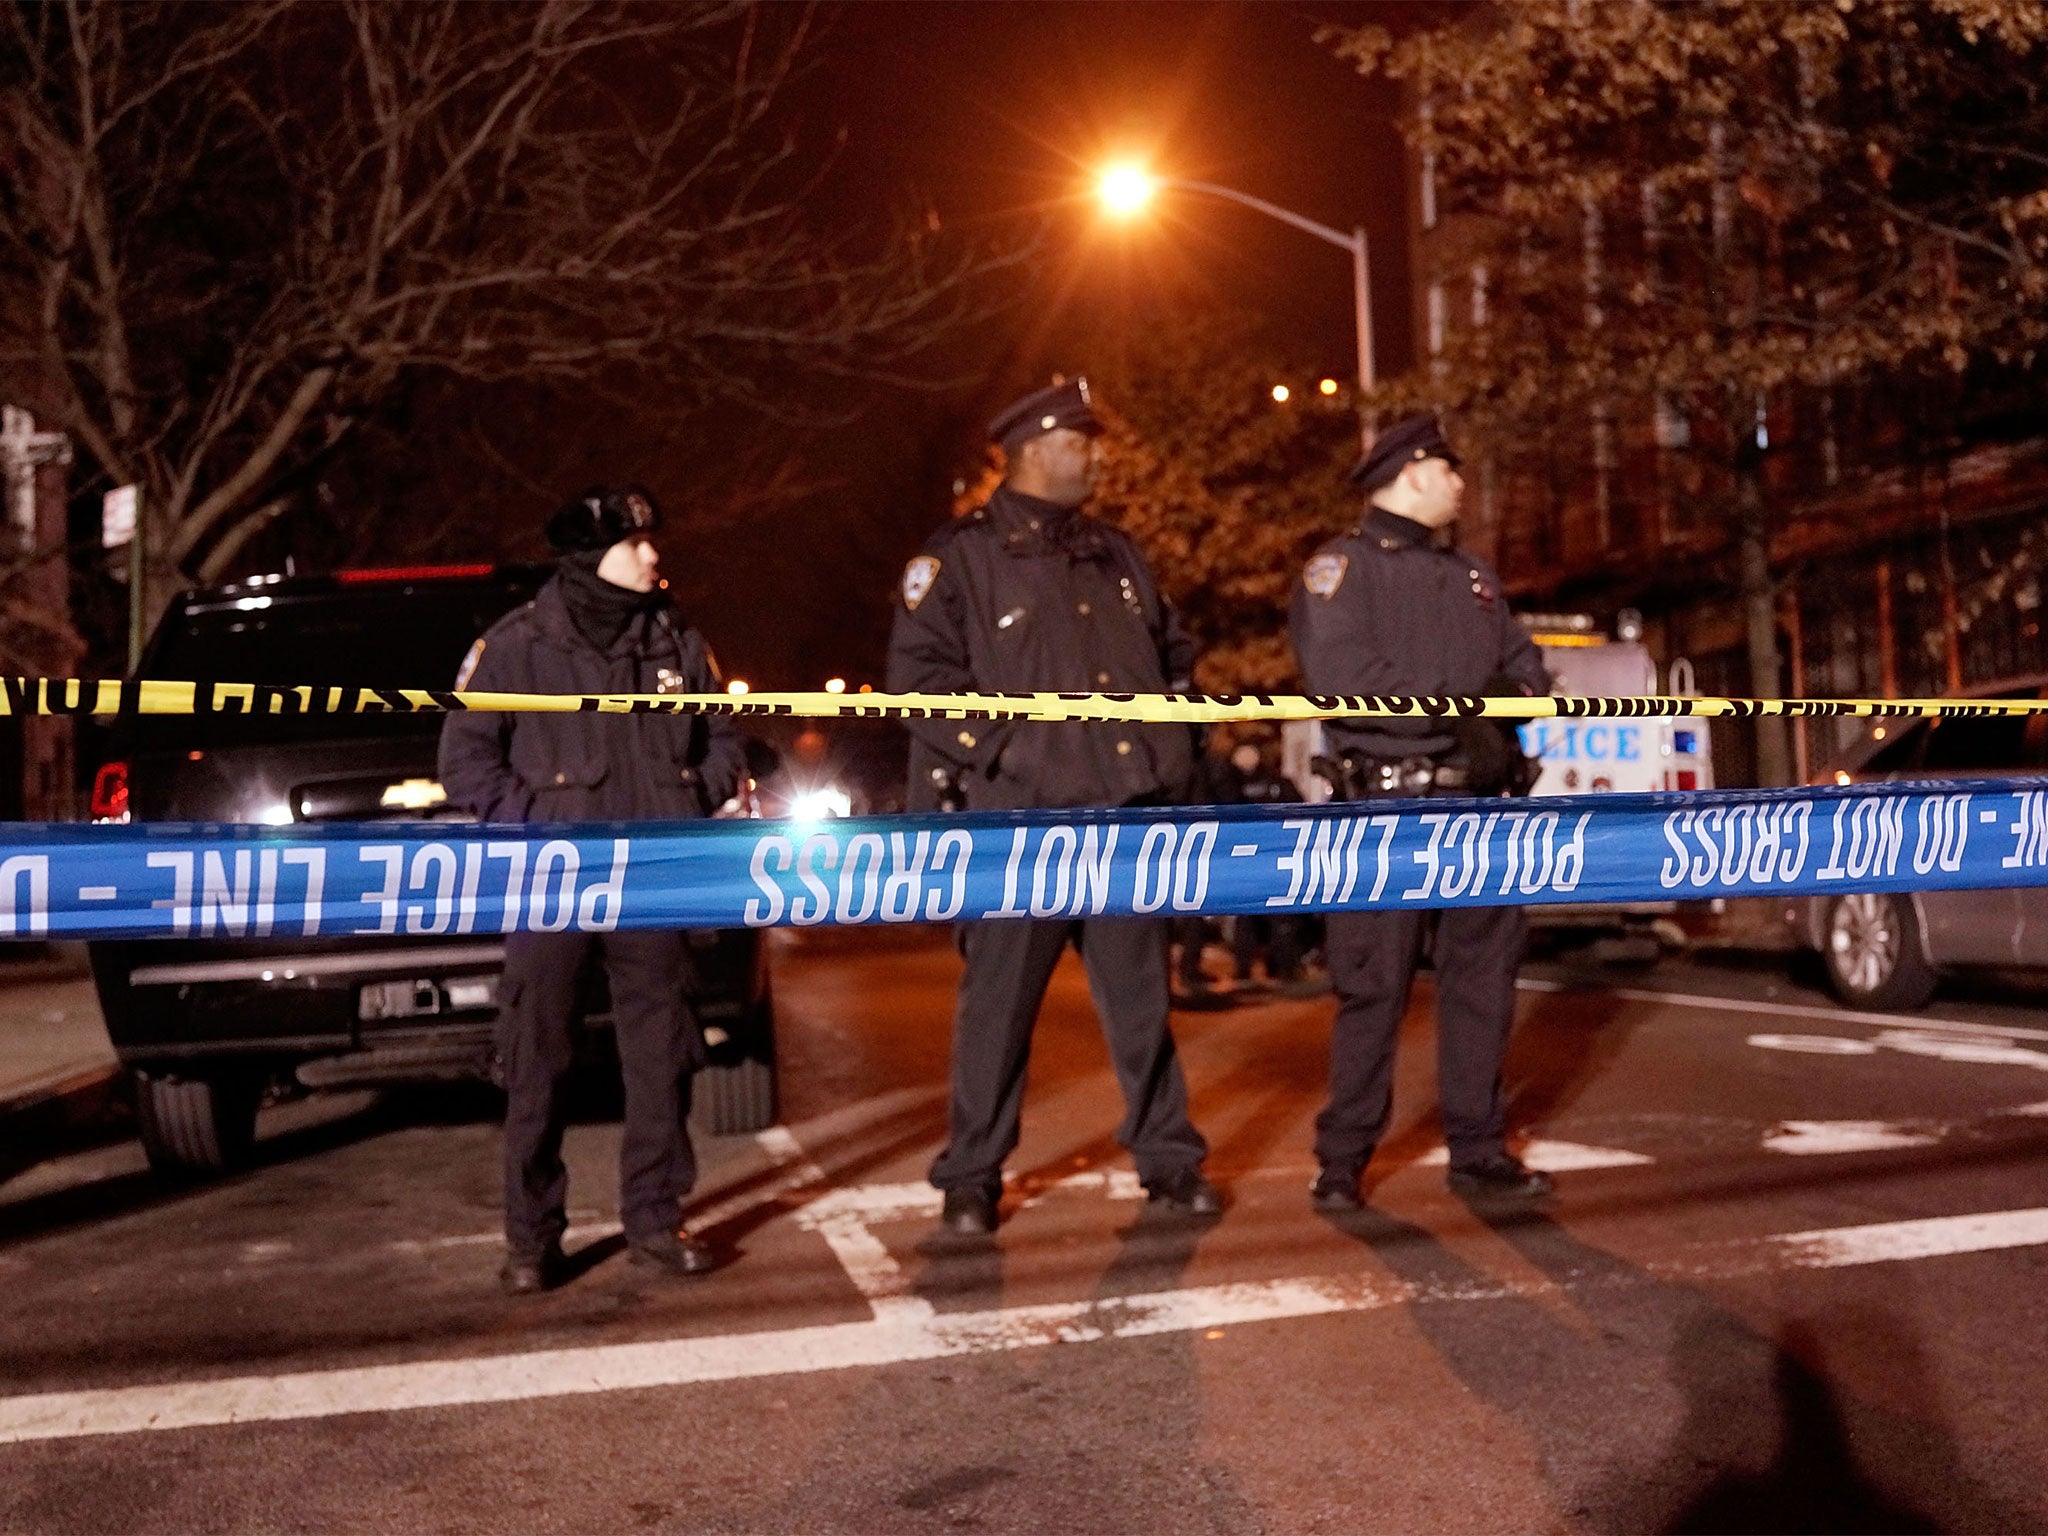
(24, 961)
(66, 1115)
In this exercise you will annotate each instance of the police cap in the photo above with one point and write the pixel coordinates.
(1405, 442)
(601, 516)
(1063, 404)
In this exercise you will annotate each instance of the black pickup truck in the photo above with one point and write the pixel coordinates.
(207, 1028)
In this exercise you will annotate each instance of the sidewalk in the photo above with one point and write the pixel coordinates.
(57, 1068)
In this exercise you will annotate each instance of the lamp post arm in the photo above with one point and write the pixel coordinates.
(1336, 237)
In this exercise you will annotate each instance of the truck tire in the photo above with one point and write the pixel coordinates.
(1871, 945)
(196, 1126)
(734, 1098)
(736, 1094)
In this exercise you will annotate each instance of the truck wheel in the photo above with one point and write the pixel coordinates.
(1873, 954)
(736, 1094)
(196, 1125)
(734, 1098)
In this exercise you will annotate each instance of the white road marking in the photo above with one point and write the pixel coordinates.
(792, 1171)
(578, 1234)
(1973, 1050)
(1928, 1238)
(871, 1267)
(1964, 1048)
(906, 1202)
(1815, 1045)
(1825, 1138)
(901, 1339)
(1790, 1010)
(1559, 1157)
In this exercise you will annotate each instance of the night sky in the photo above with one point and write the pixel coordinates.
(990, 118)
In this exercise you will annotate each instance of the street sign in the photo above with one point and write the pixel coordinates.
(117, 517)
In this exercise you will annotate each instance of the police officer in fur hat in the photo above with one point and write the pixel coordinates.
(603, 623)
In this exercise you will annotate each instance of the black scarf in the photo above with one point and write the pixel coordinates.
(1062, 527)
(598, 609)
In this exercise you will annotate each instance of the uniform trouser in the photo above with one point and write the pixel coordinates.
(1008, 966)
(1372, 958)
(658, 1047)
(1281, 937)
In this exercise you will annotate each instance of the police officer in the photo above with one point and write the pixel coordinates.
(1029, 593)
(1392, 607)
(602, 624)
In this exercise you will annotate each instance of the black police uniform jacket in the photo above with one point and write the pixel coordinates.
(1383, 609)
(595, 767)
(1022, 595)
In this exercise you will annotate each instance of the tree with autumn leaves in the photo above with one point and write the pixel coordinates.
(1709, 214)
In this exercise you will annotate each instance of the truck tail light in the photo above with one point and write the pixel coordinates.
(110, 792)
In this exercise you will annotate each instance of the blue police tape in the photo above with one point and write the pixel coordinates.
(444, 879)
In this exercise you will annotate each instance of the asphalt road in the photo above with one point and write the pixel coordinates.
(1792, 1281)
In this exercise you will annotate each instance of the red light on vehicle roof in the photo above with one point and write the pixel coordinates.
(411, 573)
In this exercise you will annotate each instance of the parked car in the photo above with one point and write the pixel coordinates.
(1887, 951)
(206, 1027)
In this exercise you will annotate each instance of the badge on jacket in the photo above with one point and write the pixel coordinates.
(918, 577)
(1325, 574)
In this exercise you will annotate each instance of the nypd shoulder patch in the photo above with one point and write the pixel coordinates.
(918, 577)
(468, 668)
(1325, 574)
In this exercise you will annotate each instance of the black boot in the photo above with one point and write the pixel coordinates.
(530, 1274)
(1500, 1177)
(674, 1253)
(968, 1213)
(1186, 1193)
(1335, 1192)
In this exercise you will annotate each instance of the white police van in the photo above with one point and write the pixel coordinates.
(1590, 757)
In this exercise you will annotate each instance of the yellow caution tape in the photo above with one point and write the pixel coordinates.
(89, 696)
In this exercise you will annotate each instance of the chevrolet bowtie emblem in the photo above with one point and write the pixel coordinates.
(413, 795)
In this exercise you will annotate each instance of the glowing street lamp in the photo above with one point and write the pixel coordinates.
(1280, 394)
(1328, 386)
(835, 685)
(737, 686)
(1125, 190)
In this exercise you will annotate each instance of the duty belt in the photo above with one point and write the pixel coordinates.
(1353, 775)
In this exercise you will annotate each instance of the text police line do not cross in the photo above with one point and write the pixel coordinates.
(429, 880)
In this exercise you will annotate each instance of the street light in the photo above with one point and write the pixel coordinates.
(1125, 190)
(1280, 394)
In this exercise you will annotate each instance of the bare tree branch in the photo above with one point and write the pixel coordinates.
(227, 233)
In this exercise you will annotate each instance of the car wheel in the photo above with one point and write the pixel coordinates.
(1873, 953)
(736, 1094)
(196, 1125)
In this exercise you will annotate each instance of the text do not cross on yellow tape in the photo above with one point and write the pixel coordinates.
(106, 696)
